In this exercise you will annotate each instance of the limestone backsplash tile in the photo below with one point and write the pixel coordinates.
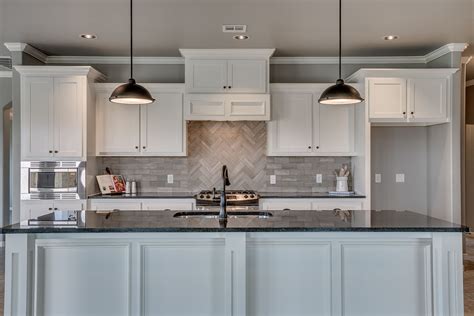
(239, 145)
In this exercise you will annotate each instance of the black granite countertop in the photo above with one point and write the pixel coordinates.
(146, 195)
(281, 221)
(190, 195)
(307, 195)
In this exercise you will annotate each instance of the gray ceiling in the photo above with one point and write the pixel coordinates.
(294, 27)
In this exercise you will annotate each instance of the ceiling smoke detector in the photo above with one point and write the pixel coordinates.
(234, 28)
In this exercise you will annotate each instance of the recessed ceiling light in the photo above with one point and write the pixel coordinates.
(241, 37)
(89, 36)
(390, 37)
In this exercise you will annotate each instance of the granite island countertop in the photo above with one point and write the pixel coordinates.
(281, 221)
(190, 195)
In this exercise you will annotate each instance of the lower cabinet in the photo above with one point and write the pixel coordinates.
(128, 204)
(31, 209)
(311, 204)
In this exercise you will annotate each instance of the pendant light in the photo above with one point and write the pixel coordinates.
(131, 92)
(340, 93)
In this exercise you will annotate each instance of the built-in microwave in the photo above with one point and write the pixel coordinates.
(53, 180)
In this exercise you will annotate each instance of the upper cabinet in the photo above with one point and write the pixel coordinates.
(227, 84)
(156, 129)
(300, 126)
(54, 106)
(407, 96)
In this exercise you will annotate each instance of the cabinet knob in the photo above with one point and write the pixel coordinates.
(55, 208)
(136, 147)
(56, 151)
(309, 147)
(404, 113)
(230, 87)
(144, 147)
(317, 147)
(50, 208)
(225, 87)
(412, 113)
(50, 151)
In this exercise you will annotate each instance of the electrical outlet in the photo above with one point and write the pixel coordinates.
(170, 179)
(319, 178)
(378, 178)
(273, 179)
(400, 177)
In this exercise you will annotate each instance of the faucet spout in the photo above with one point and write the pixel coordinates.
(223, 204)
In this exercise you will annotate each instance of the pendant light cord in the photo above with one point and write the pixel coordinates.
(131, 38)
(340, 39)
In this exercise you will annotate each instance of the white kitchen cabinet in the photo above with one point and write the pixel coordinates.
(230, 107)
(168, 204)
(291, 127)
(227, 70)
(407, 96)
(156, 129)
(247, 76)
(306, 204)
(53, 107)
(206, 76)
(117, 126)
(115, 204)
(427, 100)
(33, 208)
(300, 126)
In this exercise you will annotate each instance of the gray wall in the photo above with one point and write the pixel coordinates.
(239, 145)
(400, 150)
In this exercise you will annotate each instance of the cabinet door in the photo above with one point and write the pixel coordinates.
(336, 129)
(427, 100)
(248, 107)
(290, 131)
(37, 97)
(118, 127)
(163, 126)
(205, 106)
(294, 205)
(69, 105)
(247, 76)
(33, 209)
(206, 76)
(387, 99)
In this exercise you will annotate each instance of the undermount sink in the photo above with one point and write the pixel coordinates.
(215, 215)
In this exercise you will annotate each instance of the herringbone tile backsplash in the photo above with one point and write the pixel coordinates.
(239, 145)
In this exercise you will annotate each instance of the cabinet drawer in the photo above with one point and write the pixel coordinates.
(116, 204)
(337, 204)
(168, 205)
(286, 205)
(205, 106)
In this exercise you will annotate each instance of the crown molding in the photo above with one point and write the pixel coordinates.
(227, 53)
(27, 49)
(230, 53)
(363, 73)
(60, 70)
(470, 83)
(5, 73)
(91, 60)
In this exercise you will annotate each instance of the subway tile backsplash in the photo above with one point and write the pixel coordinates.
(239, 145)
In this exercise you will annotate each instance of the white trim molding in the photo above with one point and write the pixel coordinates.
(5, 73)
(27, 49)
(61, 70)
(91, 60)
(229, 53)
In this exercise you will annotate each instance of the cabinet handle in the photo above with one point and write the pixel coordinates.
(287, 209)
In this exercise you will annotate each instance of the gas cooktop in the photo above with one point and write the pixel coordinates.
(234, 197)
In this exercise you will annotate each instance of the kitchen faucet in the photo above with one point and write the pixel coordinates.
(226, 182)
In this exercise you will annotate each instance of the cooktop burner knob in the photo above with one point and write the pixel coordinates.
(202, 196)
(246, 196)
(252, 196)
(208, 196)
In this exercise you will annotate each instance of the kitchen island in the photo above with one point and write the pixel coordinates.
(276, 263)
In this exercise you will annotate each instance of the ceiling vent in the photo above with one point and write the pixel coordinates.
(233, 28)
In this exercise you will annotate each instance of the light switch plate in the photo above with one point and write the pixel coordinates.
(319, 178)
(400, 177)
(170, 179)
(378, 178)
(273, 179)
